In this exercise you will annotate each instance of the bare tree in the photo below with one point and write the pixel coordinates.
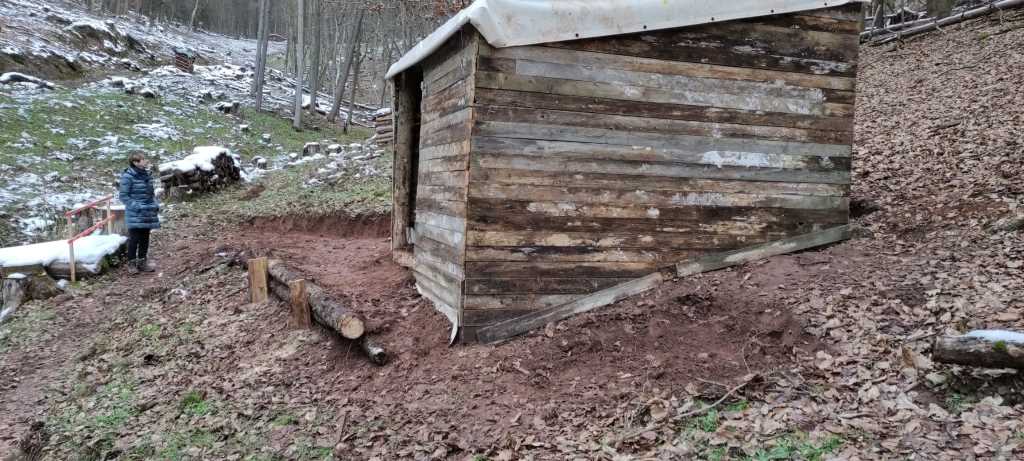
(339, 89)
(263, 37)
(314, 66)
(299, 64)
(352, 100)
(192, 19)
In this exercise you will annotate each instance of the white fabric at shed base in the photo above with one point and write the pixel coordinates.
(505, 23)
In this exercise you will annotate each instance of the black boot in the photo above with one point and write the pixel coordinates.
(144, 266)
(133, 266)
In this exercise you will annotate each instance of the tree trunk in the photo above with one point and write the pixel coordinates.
(261, 53)
(978, 352)
(339, 90)
(352, 101)
(314, 66)
(192, 20)
(299, 65)
(13, 294)
(326, 311)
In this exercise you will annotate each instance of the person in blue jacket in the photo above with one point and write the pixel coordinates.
(141, 210)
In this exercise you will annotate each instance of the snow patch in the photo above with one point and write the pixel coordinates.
(202, 159)
(89, 251)
(997, 335)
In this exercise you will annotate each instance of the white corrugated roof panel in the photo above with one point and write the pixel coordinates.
(505, 23)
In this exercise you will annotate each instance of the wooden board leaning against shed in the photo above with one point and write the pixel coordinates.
(534, 182)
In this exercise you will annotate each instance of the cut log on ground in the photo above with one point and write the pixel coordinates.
(326, 311)
(985, 352)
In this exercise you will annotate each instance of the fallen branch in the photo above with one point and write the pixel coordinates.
(937, 24)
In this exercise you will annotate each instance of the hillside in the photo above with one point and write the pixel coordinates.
(815, 355)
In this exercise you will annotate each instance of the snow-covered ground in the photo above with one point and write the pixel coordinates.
(67, 34)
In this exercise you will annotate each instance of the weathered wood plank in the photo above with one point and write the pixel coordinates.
(442, 251)
(848, 12)
(484, 317)
(626, 123)
(696, 152)
(808, 21)
(626, 181)
(767, 96)
(737, 44)
(455, 119)
(445, 164)
(448, 207)
(662, 256)
(497, 209)
(531, 269)
(626, 92)
(445, 193)
(446, 135)
(754, 253)
(611, 295)
(446, 236)
(438, 262)
(444, 178)
(453, 99)
(518, 302)
(454, 149)
(548, 286)
(647, 240)
(444, 298)
(750, 226)
(657, 169)
(653, 197)
(503, 60)
(441, 221)
(643, 140)
(607, 106)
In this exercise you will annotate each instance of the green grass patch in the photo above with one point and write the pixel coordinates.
(798, 446)
(178, 444)
(194, 403)
(27, 326)
(95, 421)
(284, 419)
(1000, 346)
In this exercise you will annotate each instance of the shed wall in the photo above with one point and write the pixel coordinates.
(598, 161)
(442, 170)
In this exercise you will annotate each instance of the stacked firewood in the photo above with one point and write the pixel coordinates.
(208, 168)
(384, 125)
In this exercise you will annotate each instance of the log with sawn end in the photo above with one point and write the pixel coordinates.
(326, 311)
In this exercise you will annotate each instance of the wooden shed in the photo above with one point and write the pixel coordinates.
(551, 157)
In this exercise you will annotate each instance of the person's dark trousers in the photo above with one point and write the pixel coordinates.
(138, 244)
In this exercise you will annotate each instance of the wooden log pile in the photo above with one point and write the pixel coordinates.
(384, 126)
(310, 302)
(194, 174)
(906, 29)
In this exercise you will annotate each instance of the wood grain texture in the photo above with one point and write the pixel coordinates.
(748, 44)
(632, 124)
(537, 319)
(258, 280)
(503, 60)
(754, 253)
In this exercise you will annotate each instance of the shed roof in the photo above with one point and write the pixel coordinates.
(505, 23)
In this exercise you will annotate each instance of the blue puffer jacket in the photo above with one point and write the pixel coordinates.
(136, 193)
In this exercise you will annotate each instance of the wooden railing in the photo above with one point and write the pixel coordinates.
(71, 239)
